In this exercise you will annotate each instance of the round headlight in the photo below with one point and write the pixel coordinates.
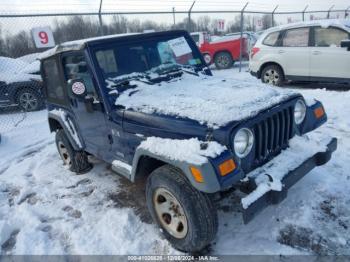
(243, 142)
(299, 112)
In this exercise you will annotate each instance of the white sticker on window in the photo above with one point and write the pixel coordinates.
(78, 88)
(180, 46)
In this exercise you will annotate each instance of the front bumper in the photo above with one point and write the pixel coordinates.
(274, 197)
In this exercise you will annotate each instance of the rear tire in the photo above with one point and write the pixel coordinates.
(223, 60)
(187, 217)
(77, 161)
(273, 75)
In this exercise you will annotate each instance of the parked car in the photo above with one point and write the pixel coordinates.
(24, 94)
(20, 84)
(224, 51)
(306, 51)
(148, 105)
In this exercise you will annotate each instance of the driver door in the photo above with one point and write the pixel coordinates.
(89, 112)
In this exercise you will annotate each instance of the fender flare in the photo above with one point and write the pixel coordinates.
(69, 128)
(210, 184)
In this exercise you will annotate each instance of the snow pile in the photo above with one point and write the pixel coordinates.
(30, 58)
(11, 64)
(300, 149)
(210, 100)
(32, 68)
(17, 70)
(46, 209)
(187, 150)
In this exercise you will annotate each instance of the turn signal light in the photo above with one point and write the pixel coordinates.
(227, 167)
(319, 112)
(197, 175)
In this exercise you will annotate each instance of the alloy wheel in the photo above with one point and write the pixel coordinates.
(28, 101)
(272, 77)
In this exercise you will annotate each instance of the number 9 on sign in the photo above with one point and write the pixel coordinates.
(43, 37)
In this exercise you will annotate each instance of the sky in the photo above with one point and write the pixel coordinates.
(29, 6)
(10, 26)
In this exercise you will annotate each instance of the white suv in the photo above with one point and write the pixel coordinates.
(306, 51)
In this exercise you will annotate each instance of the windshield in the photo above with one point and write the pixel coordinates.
(143, 57)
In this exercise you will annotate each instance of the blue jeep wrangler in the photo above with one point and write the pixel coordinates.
(148, 105)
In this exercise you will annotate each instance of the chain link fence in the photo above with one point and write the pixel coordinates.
(20, 81)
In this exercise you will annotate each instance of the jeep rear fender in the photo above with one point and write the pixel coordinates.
(210, 182)
(56, 122)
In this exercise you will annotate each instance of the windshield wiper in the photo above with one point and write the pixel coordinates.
(124, 80)
(171, 69)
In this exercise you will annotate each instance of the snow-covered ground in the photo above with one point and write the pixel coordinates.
(45, 209)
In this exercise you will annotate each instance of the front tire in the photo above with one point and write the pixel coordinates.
(273, 75)
(223, 60)
(76, 161)
(186, 216)
(29, 100)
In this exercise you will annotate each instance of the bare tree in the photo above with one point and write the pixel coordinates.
(203, 23)
(119, 25)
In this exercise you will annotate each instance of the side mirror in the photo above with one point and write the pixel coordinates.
(346, 44)
(77, 87)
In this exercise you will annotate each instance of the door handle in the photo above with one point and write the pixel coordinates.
(281, 51)
(316, 52)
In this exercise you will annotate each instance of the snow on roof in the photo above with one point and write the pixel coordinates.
(323, 23)
(30, 58)
(9, 77)
(16, 70)
(210, 100)
(8, 64)
(31, 68)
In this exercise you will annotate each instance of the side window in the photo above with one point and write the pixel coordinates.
(325, 37)
(195, 38)
(296, 37)
(75, 67)
(54, 88)
(106, 61)
(271, 39)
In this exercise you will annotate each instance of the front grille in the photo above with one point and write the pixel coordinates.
(272, 135)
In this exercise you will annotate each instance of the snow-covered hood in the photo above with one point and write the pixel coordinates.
(210, 100)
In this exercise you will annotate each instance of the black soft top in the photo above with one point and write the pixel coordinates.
(82, 43)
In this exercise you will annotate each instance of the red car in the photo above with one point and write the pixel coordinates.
(223, 51)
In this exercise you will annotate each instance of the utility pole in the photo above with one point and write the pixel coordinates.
(304, 12)
(241, 40)
(329, 12)
(273, 16)
(189, 17)
(100, 18)
(174, 15)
